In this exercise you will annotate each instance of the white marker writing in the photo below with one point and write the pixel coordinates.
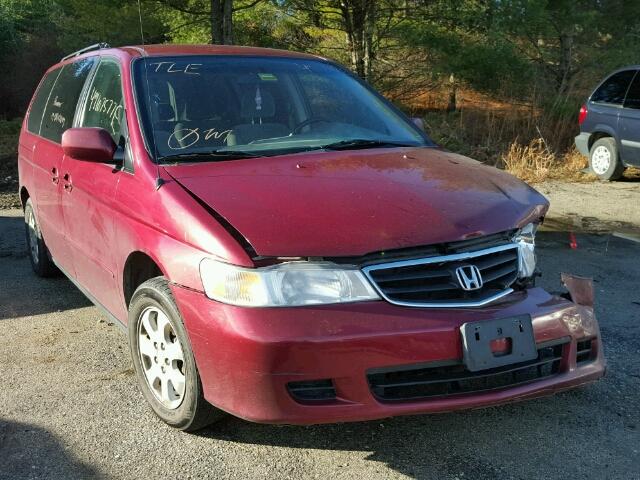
(186, 137)
(170, 67)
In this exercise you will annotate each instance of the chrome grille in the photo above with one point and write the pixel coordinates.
(432, 281)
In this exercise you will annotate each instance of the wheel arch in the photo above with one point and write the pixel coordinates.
(24, 196)
(138, 268)
(601, 132)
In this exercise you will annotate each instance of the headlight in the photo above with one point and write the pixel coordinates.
(526, 248)
(286, 284)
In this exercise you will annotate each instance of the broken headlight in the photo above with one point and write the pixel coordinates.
(284, 285)
(525, 239)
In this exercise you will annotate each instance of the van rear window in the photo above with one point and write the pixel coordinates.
(614, 88)
(61, 104)
(40, 101)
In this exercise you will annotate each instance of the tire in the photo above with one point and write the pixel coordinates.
(39, 255)
(167, 375)
(604, 160)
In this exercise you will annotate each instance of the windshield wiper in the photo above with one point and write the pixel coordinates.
(212, 156)
(355, 143)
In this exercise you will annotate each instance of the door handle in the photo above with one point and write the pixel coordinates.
(54, 176)
(67, 182)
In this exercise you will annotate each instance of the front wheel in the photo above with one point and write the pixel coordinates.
(604, 160)
(163, 361)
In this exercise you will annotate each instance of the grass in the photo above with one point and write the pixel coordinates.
(534, 163)
(9, 133)
(529, 143)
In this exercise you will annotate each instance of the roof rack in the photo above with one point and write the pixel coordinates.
(97, 46)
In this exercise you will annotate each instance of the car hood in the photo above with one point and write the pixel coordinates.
(351, 203)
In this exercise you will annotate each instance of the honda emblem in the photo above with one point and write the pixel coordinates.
(469, 277)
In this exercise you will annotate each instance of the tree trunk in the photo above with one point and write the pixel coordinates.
(369, 47)
(216, 23)
(227, 22)
(222, 22)
(453, 94)
(565, 67)
(358, 19)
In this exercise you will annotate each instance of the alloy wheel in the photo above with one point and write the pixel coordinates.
(601, 160)
(32, 230)
(161, 357)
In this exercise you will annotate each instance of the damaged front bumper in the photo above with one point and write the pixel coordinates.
(371, 360)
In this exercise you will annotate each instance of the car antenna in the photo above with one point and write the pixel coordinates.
(159, 180)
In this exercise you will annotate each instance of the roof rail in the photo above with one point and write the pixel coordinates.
(97, 46)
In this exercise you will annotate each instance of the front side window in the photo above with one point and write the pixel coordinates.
(62, 102)
(40, 101)
(613, 89)
(104, 106)
(199, 105)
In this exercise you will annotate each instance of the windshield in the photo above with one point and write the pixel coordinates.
(236, 107)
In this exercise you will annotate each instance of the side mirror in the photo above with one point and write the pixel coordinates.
(89, 144)
(418, 122)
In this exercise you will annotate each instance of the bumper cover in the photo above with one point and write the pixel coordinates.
(582, 143)
(246, 357)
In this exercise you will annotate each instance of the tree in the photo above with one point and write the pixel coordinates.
(217, 13)
(26, 49)
(566, 38)
(359, 20)
(117, 22)
(222, 22)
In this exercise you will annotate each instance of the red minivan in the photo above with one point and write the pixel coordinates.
(283, 244)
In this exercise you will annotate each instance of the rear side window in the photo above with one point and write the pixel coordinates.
(61, 105)
(614, 88)
(104, 106)
(633, 95)
(40, 101)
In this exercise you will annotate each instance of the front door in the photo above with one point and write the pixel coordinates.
(89, 191)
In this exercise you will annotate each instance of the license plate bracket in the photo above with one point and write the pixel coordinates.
(477, 338)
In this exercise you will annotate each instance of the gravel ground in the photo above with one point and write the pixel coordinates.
(594, 207)
(72, 409)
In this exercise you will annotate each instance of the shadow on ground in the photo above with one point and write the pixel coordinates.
(27, 451)
(22, 293)
(492, 443)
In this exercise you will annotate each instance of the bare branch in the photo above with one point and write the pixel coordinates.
(247, 6)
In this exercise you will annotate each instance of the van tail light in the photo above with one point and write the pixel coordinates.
(582, 116)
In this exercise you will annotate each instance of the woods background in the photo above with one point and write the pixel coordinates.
(500, 80)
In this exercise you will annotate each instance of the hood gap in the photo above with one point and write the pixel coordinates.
(231, 230)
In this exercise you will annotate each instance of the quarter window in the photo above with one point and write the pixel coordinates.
(40, 101)
(614, 88)
(61, 105)
(633, 95)
(104, 105)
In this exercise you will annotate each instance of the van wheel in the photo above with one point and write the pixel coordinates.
(163, 360)
(604, 160)
(39, 255)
